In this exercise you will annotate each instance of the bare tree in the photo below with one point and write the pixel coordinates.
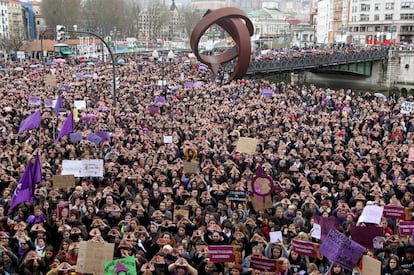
(133, 10)
(61, 12)
(190, 19)
(103, 16)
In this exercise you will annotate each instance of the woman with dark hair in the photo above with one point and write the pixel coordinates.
(337, 270)
(391, 266)
(297, 263)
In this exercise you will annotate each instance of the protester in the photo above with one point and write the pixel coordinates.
(331, 152)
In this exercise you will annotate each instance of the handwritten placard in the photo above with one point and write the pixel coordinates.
(371, 214)
(93, 255)
(190, 167)
(340, 249)
(63, 181)
(247, 145)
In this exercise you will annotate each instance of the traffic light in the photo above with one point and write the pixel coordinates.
(60, 33)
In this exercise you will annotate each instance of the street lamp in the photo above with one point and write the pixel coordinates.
(114, 82)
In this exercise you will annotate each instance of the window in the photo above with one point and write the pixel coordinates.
(407, 5)
(407, 16)
(364, 17)
(377, 7)
(389, 6)
(407, 28)
(388, 16)
(377, 28)
(370, 29)
(376, 17)
(365, 7)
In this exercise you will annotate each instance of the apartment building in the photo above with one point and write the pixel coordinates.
(381, 21)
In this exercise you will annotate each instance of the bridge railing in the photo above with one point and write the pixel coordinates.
(283, 64)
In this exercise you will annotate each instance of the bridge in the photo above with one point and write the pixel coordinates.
(358, 62)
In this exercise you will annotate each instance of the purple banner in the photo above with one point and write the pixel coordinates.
(65, 88)
(406, 228)
(35, 100)
(364, 235)
(159, 101)
(267, 92)
(189, 84)
(220, 253)
(339, 249)
(198, 84)
(394, 212)
(48, 102)
(153, 110)
(306, 248)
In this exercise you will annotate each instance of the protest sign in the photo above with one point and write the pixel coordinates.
(63, 211)
(83, 168)
(268, 265)
(153, 110)
(260, 190)
(48, 102)
(190, 167)
(339, 249)
(267, 92)
(237, 195)
(125, 266)
(63, 181)
(364, 235)
(182, 210)
(159, 101)
(394, 212)
(79, 104)
(306, 248)
(246, 145)
(167, 139)
(93, 255)
(322, 225)
(411, 154)
(50, 80)
(370, 266)
(371, 214)
(220, 253)
(35, 100)
(276, 236)
(406, 227)
(406, 107)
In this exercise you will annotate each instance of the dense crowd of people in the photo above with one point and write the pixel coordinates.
(331, 151)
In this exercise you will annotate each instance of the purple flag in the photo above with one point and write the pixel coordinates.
(188, 84)
(94, 138)
(24, 190)
(67, 126)
(58, 105)
(75, 137)
(106, 136)
(37, 170)
(198, 84)
(31, 122)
